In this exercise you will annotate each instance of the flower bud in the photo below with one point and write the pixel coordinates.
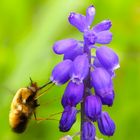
(73, 53)
(108, 99)
(104, 37)
(80, 68)
(102, 26)
(106, 124)
(73, 94)
(61, 71)
(93, 107)
(88, 131)
(108, 58)
(102, 82)
(78, 20)
(62, 46)
(68, 118)
(97, 64)
(90, 13)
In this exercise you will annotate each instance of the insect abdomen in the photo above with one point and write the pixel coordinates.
(19, 123)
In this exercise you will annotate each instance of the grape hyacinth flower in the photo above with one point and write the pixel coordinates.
(93, 107)
(68, 118)
(106, 124)
(85, 71)
(60, 73)
(73, 94)
(103, 86)
(88, 131)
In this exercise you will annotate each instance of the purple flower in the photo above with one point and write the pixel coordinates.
(97, 64)
(104, 37)
(61, 71)
(106, 124)
(78, 20)
(85, 74)
(93, 107)
(107, 99)
(73, 53)
(88, 131)
(73, 94)
(80, 68)
(62, 46)
(103, 86)
(102, 26)
(90, 13)
(91, 37)
(107, 58)
(98, 34)
(67, 119)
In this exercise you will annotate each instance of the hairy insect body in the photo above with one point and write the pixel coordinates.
(22, 107)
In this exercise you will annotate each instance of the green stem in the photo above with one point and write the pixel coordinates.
(86, 87)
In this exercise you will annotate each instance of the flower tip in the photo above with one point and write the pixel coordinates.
(91, 9)
(71, 15)
(106, 124)
(116, 67)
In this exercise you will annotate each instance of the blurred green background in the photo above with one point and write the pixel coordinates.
(28, 29)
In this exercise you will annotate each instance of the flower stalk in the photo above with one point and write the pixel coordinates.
(87, 86)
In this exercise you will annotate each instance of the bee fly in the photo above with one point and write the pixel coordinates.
(23, 107)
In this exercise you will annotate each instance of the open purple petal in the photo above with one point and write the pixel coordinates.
(102, 26)
(107, 58)
(90, 13)
(78, 20)
(62, 46)
(104, 37)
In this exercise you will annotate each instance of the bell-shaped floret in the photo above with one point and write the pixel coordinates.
(88, 131)
(61, 72)
(90, 13)
(103, 86)
(102, 26)
(62, 46)
(68, 118)
(78, 20)
(104, 37)
(73, 94)
(107, 58)
(73, 53)
(106, 124)
(93, 107)
(80, 68)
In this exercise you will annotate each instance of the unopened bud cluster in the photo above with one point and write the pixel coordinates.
(77, 65)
